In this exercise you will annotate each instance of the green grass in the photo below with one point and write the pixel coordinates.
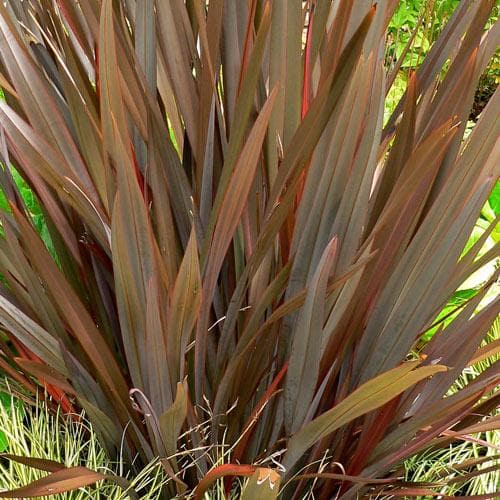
(33, 431)
(435, 465)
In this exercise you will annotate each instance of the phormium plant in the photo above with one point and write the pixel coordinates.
(243, 256)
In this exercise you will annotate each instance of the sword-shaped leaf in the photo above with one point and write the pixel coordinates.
(371, 395)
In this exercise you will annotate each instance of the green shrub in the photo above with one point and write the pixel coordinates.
(245, 257)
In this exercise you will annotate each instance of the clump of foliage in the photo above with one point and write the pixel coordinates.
(244, 256)
(32, 430)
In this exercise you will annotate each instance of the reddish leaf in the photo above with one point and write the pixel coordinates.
(218, 473)
(58, 482)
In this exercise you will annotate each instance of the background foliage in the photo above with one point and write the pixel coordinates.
(33, 430)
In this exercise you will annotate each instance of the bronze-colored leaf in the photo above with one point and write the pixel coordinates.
(58, 482)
